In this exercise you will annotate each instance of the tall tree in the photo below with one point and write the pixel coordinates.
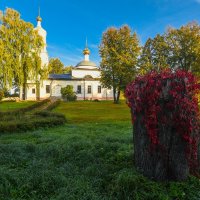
(154, 55)
(21, 47)
(176, 49)
(145, 62)
(55, 66)
(184, 47)
(119, 50)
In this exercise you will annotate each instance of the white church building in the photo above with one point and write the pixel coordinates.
(84, 77)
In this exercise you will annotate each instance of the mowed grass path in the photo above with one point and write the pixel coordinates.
(89, 158)
(9, 106)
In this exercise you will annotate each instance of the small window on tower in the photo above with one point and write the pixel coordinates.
(99, 89)
(89, 89)
(47, 89)
(33, 90)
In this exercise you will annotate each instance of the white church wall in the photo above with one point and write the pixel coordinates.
(56, 86)
(44, 93)
(31, 92)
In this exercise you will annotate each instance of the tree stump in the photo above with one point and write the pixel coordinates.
(165, 124)
(162, 162)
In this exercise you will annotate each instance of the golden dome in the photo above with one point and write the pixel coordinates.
(39, 19)
(86, 51)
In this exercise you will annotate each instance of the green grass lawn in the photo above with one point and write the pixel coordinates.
(9, 106)
(91, 157)
(87, 111)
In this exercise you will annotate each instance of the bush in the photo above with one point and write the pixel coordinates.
(36, 105)
(26, 109)
(42, 119)
(53, 105)
(68, 94)
(50, 114)
(96, 100)
(21, 120)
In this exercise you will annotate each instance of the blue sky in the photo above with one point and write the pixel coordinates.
(69, 22)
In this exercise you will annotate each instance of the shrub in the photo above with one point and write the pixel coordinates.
(42, 119)
(68, 93)
(96, 100)
(165, 114)
(50, 114)
(53, 105)
(36, 105)
(21, 120)
(26, 109)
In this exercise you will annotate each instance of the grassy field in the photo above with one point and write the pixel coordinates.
(91, 157)
(86, 111)
(9, 106)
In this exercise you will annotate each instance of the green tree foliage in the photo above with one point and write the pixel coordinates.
(176, 48)
(119, 50)
(20, 45)
(154, 55)
(184, 47)
(55, 66)
(68, 93)
(67, 69)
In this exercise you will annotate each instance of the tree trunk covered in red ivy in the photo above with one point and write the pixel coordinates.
(166, 162)
(165, 124)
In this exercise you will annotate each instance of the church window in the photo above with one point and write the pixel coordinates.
(99, 89)
(47, 89)
(79, 89)
(33, 90)
(89, 89)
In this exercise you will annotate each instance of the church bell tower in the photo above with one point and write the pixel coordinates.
(43, 34)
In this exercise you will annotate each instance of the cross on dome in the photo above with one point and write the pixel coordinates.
(86, 51)
(39, 19)
(86, 63)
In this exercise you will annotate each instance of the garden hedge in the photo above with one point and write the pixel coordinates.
(21, 120)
